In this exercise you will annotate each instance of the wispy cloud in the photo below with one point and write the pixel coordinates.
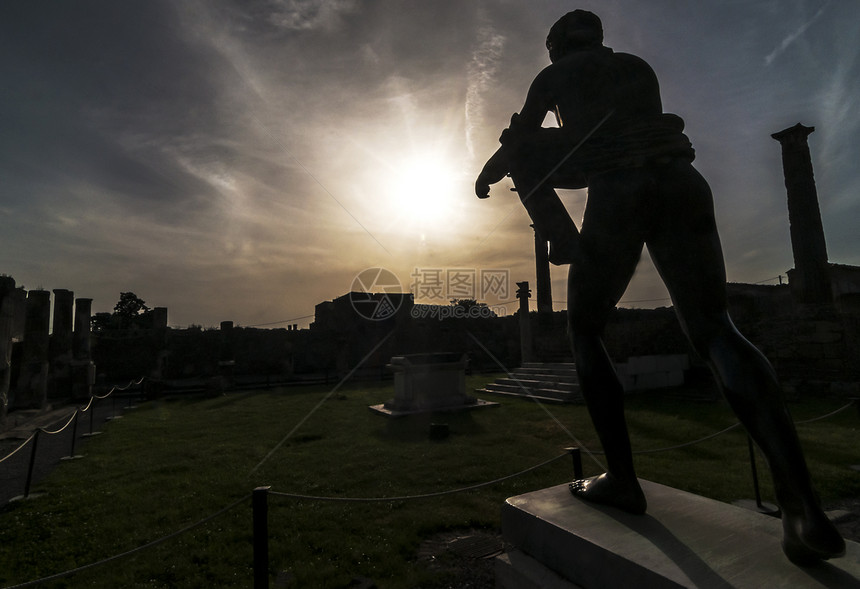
(482, 72)
(793, 37)
(308, 14)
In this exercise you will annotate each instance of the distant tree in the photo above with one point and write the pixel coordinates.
(129, 312)
(473, 308)
(466, 303)
(130, 305)
(101, 321)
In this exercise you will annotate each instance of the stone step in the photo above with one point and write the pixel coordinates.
(554, 382)
(508, 385)
(546, 377)
(566, 372)
(527, 382)
(557, 396)
(572, 395)
(550, 365)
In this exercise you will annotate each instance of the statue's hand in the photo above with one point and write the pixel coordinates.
(482, 187)
(494, 170)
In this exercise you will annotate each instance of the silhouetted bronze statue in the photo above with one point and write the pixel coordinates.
(614, 138)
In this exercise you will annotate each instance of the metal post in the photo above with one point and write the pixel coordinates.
(74, 433)
(754, 474)
(32, 463)
(260, 504)
(576, 456)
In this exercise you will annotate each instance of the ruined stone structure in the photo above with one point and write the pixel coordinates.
(7, 320)
(60, 347)
(32, 390)
(810, 280)
(542, 276)
(83, 369)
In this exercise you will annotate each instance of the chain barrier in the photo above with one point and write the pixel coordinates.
(68, 423)
(15, 451)
(522, 472)
(74, 414)
(133, 551)
(422, 496)
(825, 416)
(679, 446)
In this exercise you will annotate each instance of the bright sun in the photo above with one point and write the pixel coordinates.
(423, 190)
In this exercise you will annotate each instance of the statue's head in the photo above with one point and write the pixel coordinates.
(574, 30)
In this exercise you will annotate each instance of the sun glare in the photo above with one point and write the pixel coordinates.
(423, 190)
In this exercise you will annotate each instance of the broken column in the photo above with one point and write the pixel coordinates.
(523, 294)
(542, 276)
(83, 369)
(227, 357)
(32, 389)
(60, 347)
(7, 287)
(159, 335)
(810, 280)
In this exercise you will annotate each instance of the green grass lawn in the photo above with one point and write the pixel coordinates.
(169, 464)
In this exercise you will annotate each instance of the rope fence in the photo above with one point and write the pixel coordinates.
(131, 552)
(260, 495)
(70, 420)
(421, 496)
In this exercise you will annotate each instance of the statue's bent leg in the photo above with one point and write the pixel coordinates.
(687, 253)
(550, 218)
(535, 173)
(611, 248)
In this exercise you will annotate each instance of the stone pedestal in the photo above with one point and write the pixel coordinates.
(683, 541)
(429, 382)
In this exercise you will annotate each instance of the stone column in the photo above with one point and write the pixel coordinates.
(81, 338)
(7, 287)
(32, 389)
(60, 348)
(83, 369)
(227, 359)
(159, 334)
(810, 282)
(542, 276)
(523, 294)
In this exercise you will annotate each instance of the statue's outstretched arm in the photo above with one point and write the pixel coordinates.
(496, 168)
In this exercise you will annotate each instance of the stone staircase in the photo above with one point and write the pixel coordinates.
(547, 382)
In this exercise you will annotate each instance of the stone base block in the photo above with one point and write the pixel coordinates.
(517, 570)
(385, 409)
(683, 541)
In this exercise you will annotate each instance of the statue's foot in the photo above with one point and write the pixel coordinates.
(609, 490)
(809, 537)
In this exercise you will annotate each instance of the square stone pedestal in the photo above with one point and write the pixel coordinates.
(683, 541)
(427, 383)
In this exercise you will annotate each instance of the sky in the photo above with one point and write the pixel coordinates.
(247, 160)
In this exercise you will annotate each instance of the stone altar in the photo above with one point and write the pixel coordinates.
(424, 383)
